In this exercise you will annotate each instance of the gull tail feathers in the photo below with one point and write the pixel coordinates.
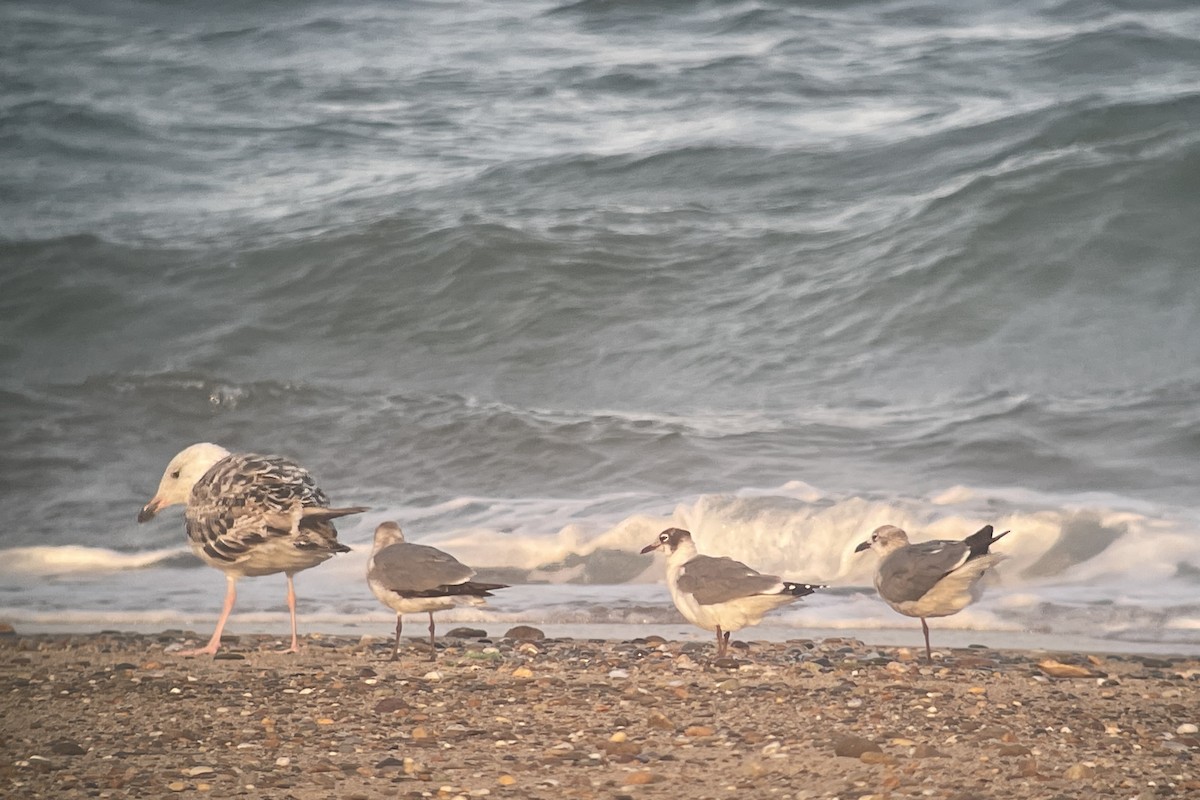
(981, 540)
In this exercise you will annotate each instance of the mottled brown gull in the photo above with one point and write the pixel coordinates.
(249, 515)
(930, 579)
(720, 594)
(414, 578)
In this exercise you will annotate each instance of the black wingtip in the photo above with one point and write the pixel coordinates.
(982, 539)
(801, 589)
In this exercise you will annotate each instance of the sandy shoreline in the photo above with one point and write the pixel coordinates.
(118, 715)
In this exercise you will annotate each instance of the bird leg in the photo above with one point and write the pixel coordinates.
(291, 597)
(722, 642)
(214, 644)
(432, 643)
(928, 651)
(399, 626)
(725, 649)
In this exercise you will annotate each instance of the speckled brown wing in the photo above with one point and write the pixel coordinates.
(246, 499)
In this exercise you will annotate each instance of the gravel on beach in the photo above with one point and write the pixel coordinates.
(117, 715)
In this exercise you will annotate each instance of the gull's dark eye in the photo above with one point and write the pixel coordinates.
(175, 474)
(662, 537)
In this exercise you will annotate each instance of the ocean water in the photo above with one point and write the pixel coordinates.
(539, 279)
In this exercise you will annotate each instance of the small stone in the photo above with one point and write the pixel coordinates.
(522, 672)
(1056, 669)
(659, 720)
(67, 748)
(854, 746)
(1013, 750)
(728, 685)
(434, 676)
(195, 772)
(390, 704)
(420, 732)
(466, 633)
(282, 761)
(1187, 728)
(927, 751)
(619, 736)
(641, 778)
(176, 786)
(506, 780)
(685, 662)
(528, 649)
(876, 757)
(698, 731)
(1079, 772)
(525, 633)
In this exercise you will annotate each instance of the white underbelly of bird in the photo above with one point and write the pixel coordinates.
(729, 616)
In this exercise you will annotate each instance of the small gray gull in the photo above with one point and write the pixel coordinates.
(930, 579)
(414, 578)
(249, 515)
(720, 594)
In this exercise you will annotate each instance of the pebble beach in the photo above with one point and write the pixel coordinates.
(116, 715)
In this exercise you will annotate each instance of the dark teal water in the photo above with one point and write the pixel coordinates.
(558, 273)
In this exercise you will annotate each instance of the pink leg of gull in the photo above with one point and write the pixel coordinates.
(295, 648)
(214, 644)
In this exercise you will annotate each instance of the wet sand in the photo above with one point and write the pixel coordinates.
(119, 715)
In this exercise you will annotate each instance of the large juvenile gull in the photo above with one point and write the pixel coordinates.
(249, 515)
(930, 579)
(412, 578)
(720, 594)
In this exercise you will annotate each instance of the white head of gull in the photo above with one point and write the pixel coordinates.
(249, 515)
(930, 579)
(720, 594)
(412, 578)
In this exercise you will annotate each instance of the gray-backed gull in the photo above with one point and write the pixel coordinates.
(720, 594)
(414, 578)
(930, 579)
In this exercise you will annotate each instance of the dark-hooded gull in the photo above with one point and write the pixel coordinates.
(720, 594)
(930, 579)
(249, 515)
(414, 578)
